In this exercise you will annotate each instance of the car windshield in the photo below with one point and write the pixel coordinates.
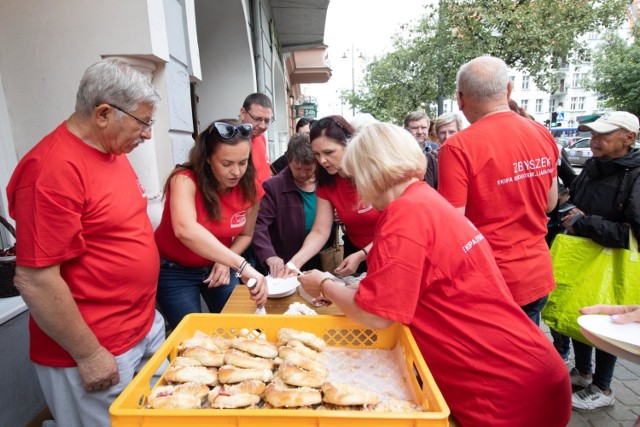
(583, 143)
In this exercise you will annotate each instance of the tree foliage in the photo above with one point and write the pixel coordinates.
(534, 36)
(616, 73)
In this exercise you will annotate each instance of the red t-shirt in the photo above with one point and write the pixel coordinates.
(501, 169)
(432, 270)
(87, 211)
(359, 219)
(260, 157)
(233, 217)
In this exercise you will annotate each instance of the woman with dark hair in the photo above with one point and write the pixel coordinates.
(209, 215)
(329, 137)
(303, 125)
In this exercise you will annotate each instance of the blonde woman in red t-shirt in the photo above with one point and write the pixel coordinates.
(439, 277)
(208, 220)
(329, 137)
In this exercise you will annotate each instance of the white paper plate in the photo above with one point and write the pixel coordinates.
(280, 288)
(614, 338)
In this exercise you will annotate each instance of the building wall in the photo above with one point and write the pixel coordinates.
(41, 69)
(226, 57)
(44, 54)
(44, 51)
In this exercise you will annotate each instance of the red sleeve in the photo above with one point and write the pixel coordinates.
(49, 220)
(453, 175)
(321, 192)
(391, 288)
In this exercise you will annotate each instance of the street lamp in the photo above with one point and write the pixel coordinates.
(353, 75)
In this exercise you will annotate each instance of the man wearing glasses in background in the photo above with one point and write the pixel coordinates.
(257, 110)
(417, 124)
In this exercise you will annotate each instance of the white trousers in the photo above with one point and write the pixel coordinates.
(73, 406)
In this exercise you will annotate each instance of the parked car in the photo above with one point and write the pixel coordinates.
(566, 141)
(580, 152)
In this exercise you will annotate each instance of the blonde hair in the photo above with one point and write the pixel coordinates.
(380, 156)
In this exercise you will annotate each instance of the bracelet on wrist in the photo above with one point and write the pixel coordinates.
(240, 269)
(365, 252)
(322, 287)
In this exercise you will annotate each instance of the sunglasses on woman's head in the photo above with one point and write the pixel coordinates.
(325, 122)
(227, 131)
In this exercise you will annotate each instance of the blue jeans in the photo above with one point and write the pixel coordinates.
(180, 288)
(605, 364)
(533, 309)
(562, 343)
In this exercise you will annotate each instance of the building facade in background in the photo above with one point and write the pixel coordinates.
(571, 103)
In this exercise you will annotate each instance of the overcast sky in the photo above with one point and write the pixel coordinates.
(368, 26)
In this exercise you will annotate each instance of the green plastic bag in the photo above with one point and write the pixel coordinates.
(587, 273)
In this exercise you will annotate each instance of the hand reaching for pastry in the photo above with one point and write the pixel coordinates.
(99, 371)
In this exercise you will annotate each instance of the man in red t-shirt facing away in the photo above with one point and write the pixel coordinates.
(87, 264)
(257, 110)
(501, 174)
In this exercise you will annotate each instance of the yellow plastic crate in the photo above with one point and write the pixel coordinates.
(338, 331)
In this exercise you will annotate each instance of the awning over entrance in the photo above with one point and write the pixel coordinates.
(588, 119)
(300, 23)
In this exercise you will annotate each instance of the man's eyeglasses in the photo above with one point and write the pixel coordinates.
(227, 131)
(147, 126)
(260, 120)
(325, 122)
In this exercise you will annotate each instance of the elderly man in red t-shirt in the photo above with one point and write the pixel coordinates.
(87, 264)
(501, 173)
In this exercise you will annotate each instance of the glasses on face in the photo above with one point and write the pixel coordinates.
(325, 122)
(259, 120)
(227, 131)
(417, 128)
(147, 126)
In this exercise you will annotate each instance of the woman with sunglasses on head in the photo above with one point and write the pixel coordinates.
(208, 220)
(329, 137)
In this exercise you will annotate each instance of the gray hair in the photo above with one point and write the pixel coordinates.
(113, 81)
(483, 78)
(446, 118)
(299, 149)
(414, 117)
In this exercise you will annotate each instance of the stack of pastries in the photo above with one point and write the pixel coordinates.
(212, 372)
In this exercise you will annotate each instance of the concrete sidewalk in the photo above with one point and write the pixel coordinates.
(626, 386)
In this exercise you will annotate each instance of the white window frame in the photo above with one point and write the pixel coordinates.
(539, 105)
